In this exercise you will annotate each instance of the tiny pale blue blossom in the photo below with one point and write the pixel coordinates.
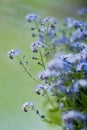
(32, 17)
(69, 22)
(37, 44)
(26, 105)
(82, 11)
(46, 74)
(50, 20)
(12, 53)
(73, 115)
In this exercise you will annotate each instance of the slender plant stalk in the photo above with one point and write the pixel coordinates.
(41, 56)
(49, 99)
(29, 74)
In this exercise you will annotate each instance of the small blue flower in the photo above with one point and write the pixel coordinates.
(73, 115)
(80, 24)
(70, 126)
(78, 35)
(82, 11)
(50, 20)
(47, 34)
(37, 44)
(62, 40)
(26, 105)
(77, 46)
(45, 74)
(69, 22)
(56, 63)
(32, 17)
(84, 67)
(13, 53)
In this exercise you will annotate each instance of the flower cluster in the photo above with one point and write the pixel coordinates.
(62, 80)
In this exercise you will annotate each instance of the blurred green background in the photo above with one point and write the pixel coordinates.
(15, 86)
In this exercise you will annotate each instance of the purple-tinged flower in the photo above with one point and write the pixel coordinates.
(26, 105)
(62, 40)
(42, 34)
(13, 53)
(69, 22)
(68, 65)
(73, 115)
(42, 30)
(77, 46)
(81, 67)
(40, 88)
(50, 20)
(32, 17)
(62, 89)
(78, 35)
(37, 44)
(82, 11)
(73, 58)
(61, 105)
(45, 74)
(47, 34)
(82, 83)
(56, 63)
(51, 32)
(61, 63)
(84, 53)
(70, 126)
(80, 24)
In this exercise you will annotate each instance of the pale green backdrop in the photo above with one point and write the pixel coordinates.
(15, 86)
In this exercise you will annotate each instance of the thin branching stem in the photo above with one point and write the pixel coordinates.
(24, 67)
(41, 57)
(49, 99)
(47, 34)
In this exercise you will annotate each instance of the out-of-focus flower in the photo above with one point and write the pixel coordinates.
(37, 44)
(69, 22)
(50, 20)
(73, 115)
(77, 47)
(62, 40)
(78, 35)
(46, 74)
(32, 17)
(82, 11)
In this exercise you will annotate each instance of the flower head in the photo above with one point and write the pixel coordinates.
(37, 44)
(32, 17)
(50, 20)
(26, 105)
(13, 53)
(73, 115)
(82, 11)
(69, 22)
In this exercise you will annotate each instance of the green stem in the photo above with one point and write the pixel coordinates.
(41, 57)
(44, 119)
(29, 74)
(49, 99)
(47, 33)
(37, 27)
